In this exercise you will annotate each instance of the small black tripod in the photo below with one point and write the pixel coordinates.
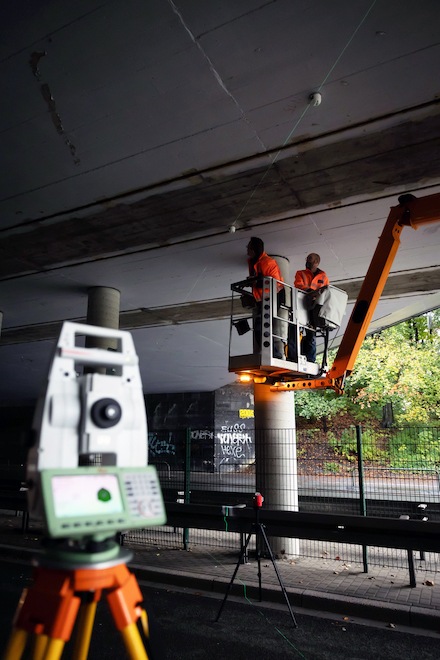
(258, 529)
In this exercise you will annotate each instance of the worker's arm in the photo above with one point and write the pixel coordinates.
(325, 280)
(300, 282)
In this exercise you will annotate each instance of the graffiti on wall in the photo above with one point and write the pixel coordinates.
(232, 444)
(202, 434)
(245, 413)
(170, 447)
(235, 444)
(161, 443)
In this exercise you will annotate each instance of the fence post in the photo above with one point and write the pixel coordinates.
(186, 482)
(363, 506)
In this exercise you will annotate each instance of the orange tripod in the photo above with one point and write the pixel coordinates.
(48, 611)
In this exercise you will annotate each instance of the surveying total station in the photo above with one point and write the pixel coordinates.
(88, 479)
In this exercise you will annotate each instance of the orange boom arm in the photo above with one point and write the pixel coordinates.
(411, 212)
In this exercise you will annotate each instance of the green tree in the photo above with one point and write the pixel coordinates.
(399, 365)
(316, 405)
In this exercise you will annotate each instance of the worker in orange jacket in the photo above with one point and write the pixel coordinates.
(311, 279)
(261, 265)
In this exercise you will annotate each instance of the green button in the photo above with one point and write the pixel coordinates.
(104, 495)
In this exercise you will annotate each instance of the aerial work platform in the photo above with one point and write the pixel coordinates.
(265, 336)
(274, 317)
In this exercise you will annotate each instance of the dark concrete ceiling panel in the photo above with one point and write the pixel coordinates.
(135, 134)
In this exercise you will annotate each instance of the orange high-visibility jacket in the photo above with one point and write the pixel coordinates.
(266, 267)
(305, 279)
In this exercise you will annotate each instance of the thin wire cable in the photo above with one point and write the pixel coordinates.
(251, 603)
(304, 112)
(224, 518)
(347, 45)
(273, 161)
(242, 210)
(244, 207)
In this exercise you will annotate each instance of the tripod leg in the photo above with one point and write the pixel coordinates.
(85, 627)
(16, 644)
(133, 642)
(151, 635)
(124, 603)
(40, 645)
(49, 608)
(54, 649)
(243, 552)
(145, 624)
(278, 574)
(258, 553)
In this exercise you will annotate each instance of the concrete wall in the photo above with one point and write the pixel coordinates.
(221, 424)
(219, 421)
(234, 425)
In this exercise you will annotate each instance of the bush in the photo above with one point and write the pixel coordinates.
(413, 447)
(346, 445)
(315, 405)
(401, 368)
(333, 467)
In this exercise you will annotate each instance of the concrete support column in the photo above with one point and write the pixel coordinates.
(275, 440)
(284, 266)
(103, 310)
(275, 454)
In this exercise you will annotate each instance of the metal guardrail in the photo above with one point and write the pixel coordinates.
(323, 492)
(381, 532)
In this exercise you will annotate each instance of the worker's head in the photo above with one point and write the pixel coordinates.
(312, 262)
(255, 247)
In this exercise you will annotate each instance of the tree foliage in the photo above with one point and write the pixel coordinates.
(315, 405)
(399, 365)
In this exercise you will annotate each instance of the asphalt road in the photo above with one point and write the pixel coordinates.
(185, 628)
(402, 486)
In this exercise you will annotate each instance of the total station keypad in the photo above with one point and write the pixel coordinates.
(143, 494)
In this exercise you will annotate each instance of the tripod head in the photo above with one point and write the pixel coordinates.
(87, 469)
(258, 500)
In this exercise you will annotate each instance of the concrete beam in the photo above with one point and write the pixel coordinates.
(397, 285)
(311, 172)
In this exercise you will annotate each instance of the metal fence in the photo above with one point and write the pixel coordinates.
(369, 471)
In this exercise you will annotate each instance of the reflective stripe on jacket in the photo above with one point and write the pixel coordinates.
(266, 267)
(305, 279)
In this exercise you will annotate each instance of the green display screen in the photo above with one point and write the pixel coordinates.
(86, 495)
